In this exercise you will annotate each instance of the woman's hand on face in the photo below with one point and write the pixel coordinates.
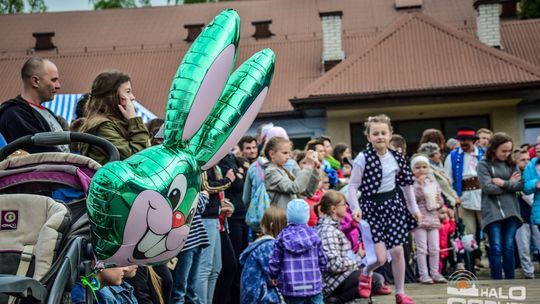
(129, 109)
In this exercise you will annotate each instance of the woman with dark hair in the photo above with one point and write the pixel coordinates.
(434, 136)
(111, 115)
(500, 180)
(342, 153)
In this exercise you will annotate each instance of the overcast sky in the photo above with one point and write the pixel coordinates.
(82, 5)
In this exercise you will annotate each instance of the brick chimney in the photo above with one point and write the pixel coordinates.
(488, 25)
(408, 4)
(262, 29)
(44, 41)
(332, 48)
(194, 30)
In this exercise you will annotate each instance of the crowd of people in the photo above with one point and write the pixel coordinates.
(283, 224)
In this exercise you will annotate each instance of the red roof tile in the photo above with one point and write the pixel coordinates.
(148, 42)
(520, 38)
(160, 26)
(419, 53)
(152, 71)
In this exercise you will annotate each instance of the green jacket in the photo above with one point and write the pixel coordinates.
(129, 138)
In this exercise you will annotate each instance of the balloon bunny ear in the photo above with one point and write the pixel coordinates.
(201, 77)
(235, 110)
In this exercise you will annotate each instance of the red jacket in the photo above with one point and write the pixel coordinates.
(316, 198)
(447, 228)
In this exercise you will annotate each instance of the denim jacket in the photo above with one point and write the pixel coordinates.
(78, 296)
(254, 278)
(123, 294)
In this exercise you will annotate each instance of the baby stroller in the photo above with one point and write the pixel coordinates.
(44, 230)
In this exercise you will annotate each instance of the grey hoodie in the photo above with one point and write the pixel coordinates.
(498, 203)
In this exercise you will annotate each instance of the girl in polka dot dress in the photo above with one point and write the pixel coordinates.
(387, 202)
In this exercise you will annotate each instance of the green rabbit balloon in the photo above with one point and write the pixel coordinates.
(141, 209)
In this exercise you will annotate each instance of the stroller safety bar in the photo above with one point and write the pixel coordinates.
(59, 138)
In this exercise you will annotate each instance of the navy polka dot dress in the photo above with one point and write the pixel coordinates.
(387, 214)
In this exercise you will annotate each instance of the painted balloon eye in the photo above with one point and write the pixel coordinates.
(177, 190)
(190, 216)
(174, 196)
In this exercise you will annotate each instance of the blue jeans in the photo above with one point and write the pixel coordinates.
(316, 299)
(185, 277)
(501, 235)
(209, 262)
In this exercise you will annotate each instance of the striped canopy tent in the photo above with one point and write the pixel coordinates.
(64, 105)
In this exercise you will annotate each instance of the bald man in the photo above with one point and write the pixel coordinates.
(24, 114)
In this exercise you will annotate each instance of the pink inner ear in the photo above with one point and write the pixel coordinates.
(209, 91)
(239, 131)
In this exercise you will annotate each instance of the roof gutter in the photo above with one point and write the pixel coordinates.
(381, 99)
(282, 114)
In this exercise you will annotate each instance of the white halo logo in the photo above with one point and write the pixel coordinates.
(463, 283)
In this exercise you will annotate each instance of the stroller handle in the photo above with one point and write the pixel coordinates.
(60, 138)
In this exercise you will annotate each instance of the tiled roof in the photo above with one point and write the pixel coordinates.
(297, 65)
(160, 26)
(149, 43)
(520, 38)
(419, 53)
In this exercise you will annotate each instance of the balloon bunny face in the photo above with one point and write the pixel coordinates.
(141, 209)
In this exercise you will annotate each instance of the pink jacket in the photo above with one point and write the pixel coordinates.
(350, 229)
(430, 218)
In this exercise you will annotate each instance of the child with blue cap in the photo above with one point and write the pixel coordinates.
(298, 259)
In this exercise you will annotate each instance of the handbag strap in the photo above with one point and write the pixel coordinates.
(259, 169)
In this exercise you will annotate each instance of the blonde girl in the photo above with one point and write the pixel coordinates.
(281, 186)
(385, 181)
(254, 287)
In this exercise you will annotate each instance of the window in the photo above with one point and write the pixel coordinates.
(532, 130)
(300, 142)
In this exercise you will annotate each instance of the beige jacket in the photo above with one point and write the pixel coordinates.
(281, 189)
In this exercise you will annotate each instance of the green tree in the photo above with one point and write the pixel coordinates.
(18, 6)
(529, 9)
(106, 4)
